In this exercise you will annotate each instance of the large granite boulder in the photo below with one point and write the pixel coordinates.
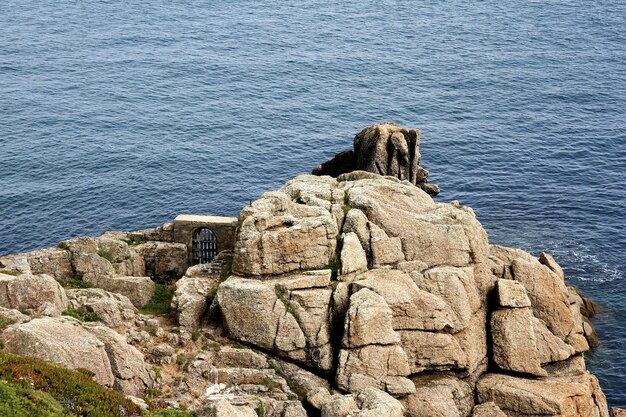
(163, 261)
(277, 235)
(567, 396)
(62, 340)
(132, 374)
(192, 299)
(39, 295)
(139, 290)
(112, 309)
(289, 316)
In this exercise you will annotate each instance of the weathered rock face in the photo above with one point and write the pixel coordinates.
(558, 331)
(72, 344)
(383, 149)
(40, 295)
(139, 290)
(277, 236)
(571, 396)
(62, 340)
(225, 409)
(132, 375)
(193, 298)
(164, 261)
(413, 280)
(110, 308)
(405, 309)
(289, 316)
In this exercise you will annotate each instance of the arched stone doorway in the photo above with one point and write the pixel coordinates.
(204, 246)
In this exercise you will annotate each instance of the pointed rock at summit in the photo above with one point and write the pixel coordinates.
(384, 149)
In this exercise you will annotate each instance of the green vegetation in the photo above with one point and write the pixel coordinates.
(81, 314)
(260, 410)
(5, 322)
(153, 392)
(184, 360)
(157, 372)
(296, 196)
(160, 301)
(106, 255)
(211, 296)
(212, 345)
(30, 387)
(227, 268)
(9, 272)
(134, 240)
(17, 401)
(346, 208)
(69, 284)
(195, 336)
(169, 413)
(285, 301)
(170, 276)
(334, 265)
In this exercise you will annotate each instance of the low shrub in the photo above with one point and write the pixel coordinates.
(74, 390)
(17, 401)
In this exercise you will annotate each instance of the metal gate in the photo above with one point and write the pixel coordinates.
(204, 246)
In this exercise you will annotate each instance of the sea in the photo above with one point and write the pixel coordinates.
(120, 115)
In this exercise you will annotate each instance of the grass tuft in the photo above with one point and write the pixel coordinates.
(103, 253)
(80, 314)
(160, 301)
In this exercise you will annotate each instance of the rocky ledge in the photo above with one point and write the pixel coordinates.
(350, 296)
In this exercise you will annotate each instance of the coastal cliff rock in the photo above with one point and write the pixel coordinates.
(350, 295)
(383, 149)
(39, 295)
(393, 291)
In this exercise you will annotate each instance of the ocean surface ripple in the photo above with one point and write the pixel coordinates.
(120, 115)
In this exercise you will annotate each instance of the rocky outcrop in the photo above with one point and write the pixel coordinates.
(139, 290)
(383, 149)
(97, 348)
(570, 396)
(352, 295)
(62, 340)
(132, 375)
(414, 296)
(111, 308)
(39, 295)
(194, 294)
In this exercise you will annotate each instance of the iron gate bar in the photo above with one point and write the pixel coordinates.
(204, 246)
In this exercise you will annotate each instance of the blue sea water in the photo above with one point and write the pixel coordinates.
(120, 115)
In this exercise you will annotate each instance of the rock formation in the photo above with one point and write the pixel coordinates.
(350, 296)
(383, 149)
